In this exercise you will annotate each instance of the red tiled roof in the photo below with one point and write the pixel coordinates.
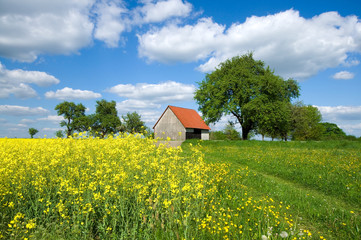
(188, 117)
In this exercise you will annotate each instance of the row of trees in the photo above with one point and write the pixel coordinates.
(260, 101)
(104, 121)
(305, 130)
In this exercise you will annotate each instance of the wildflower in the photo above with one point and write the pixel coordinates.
(283, 234)
(31, 224)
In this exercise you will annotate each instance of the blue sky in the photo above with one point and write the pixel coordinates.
(148, 54)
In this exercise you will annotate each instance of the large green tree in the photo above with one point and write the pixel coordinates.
(133, 123)
(105, 120)
(238, 87)
(70, 111)
(306, 122)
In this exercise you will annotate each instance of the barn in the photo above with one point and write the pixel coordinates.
(180, 124)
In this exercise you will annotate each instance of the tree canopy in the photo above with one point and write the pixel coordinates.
(332, 131)
(133, 123)
(33, 131)
(70, 111)
(105, 120)
(306, 122)
(246, 89)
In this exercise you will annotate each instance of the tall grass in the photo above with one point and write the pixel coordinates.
(127, 188)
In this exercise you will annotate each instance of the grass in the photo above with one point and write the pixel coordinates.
(321, 181)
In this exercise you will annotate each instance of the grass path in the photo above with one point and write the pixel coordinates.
(318, 212)
(325, 213)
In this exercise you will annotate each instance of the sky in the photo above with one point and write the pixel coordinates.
(148, 54)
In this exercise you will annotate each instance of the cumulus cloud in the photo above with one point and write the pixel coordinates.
(111, 22)
(156, 93)
(13, 110)
(69, 94)
(31, 28)
(340, 112)
(17, 82)
(147, 99)
(294, 46)
(343, 75)
(189, 43)
(346, 117)
(113, 18)
(161, 10)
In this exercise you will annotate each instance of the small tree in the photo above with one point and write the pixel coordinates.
(105, 120)
(306, 122)
(59, 134)
(230, 132)
(70, 112)
(133, 123)
(332, 131)
(32, 132)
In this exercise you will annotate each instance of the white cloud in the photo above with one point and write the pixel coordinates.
(69, 93)
(131, 105)
(149, 111)
(155, 93)
(51, 129)
(162, 10)
(340, 112)
(186, 44)
(31, 28)
(111, 22)
(150, 117)
(147, 99)
(14, 110)
(346, 117)
(294, 46)
(52, 118)
(17, 82)
(343, 75)
(26, 121)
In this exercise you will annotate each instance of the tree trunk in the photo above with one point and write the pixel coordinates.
(262, 137)
(245, 132)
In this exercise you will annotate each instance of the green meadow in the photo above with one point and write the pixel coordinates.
(320, 182)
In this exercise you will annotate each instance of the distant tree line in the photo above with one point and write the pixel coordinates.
(261, 102)
(103, 122)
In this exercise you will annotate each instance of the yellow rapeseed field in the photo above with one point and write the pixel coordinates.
(126, 187)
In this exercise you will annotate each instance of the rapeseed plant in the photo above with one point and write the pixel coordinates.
(126, 187)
